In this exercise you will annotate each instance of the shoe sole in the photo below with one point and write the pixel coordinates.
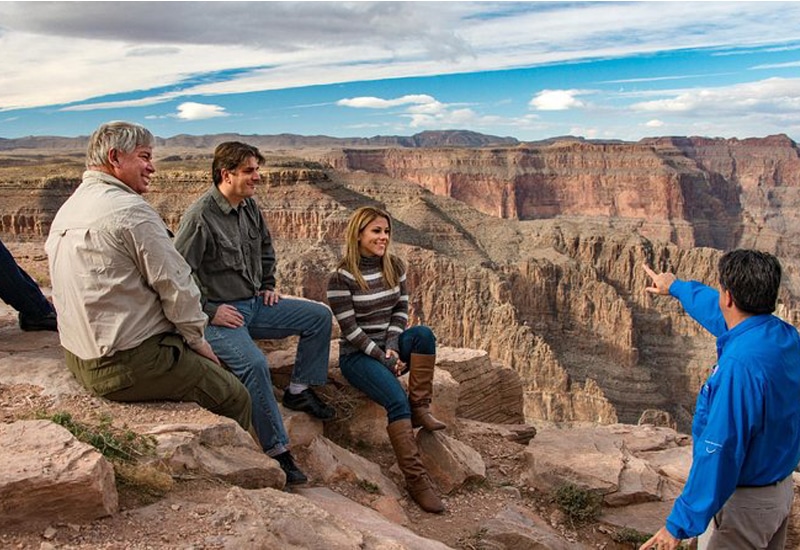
(331, 417)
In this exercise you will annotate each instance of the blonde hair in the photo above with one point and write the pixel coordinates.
(359, 220)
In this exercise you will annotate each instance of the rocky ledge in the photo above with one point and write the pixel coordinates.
(57, 492)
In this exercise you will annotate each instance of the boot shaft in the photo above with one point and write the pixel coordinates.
(420, 392)
(419, 485)
(420, 379)
(401, 435)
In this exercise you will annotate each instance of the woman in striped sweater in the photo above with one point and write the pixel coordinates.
(368, 296)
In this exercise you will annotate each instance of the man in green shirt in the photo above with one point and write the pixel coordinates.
(224, 238)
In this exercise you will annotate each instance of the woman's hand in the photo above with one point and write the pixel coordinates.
(397, 366)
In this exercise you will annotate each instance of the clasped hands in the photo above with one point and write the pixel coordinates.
(394, 364)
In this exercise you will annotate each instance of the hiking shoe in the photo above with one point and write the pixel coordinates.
(307, 401)
(48, 322)
(293, 474)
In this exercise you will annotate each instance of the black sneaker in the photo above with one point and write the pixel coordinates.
(293, 474)
(307, 401)
(48, 322)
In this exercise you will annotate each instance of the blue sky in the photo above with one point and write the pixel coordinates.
(530, 70)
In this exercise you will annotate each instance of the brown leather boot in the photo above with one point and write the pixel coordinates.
(419, 485)
(420, 390)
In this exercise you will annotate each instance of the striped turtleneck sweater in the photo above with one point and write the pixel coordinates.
(370, 320)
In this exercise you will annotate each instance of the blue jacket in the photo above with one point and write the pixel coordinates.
(746, 428)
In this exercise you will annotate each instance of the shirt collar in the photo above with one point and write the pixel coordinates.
(744, 326)
(105, 177)
(222, 202)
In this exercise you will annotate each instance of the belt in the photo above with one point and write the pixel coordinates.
(774, 483)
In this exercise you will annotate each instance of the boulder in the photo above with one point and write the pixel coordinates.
(221, 451)
(517, 527)
(487, 392)
(331, 464)
(378, 532)
(48, 475)
(450, 463)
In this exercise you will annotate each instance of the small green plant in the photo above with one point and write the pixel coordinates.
(579, 505)
(113, 443)
(369, 487)
(628, 535)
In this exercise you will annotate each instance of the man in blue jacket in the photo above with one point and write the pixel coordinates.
(746, 428)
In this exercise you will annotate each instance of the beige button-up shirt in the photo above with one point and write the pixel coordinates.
(117, 278)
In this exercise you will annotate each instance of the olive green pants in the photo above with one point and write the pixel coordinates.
(164, 368)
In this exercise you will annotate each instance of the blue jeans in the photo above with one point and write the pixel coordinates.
(236, 348)
(379, 383)
(19, 290)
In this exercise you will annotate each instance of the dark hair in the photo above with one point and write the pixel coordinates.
(230, 155)
(752, 278)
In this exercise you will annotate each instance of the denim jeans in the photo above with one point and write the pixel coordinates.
(379, 383)
(19, 290)
(236, 348)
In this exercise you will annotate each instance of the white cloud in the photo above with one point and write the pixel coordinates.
(773, 95)
(85, 47)
(378, 103)
(654, 123)
(423, 111)
(556, 100)
(444, 119)
(199, 111)
(788, 65)
(144, 102)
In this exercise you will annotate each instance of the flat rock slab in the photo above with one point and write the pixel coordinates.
(48, 474)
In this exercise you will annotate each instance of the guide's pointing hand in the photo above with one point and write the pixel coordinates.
(660, 281)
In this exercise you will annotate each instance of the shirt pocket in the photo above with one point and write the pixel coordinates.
(227, 256)
(702, 405)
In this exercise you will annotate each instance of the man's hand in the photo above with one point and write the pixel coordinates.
(271, 297)
(663, 540)
(660, 281)
(204, 349)
(227, 316)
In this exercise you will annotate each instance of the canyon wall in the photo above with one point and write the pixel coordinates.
(531, 253)
(690, 191)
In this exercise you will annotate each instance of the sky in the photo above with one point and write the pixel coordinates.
(529, 70)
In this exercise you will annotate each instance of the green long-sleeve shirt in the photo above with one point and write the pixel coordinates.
(229, 249)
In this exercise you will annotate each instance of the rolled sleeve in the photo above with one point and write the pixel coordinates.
(170, 276)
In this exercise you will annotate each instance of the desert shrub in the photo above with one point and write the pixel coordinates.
(122, 448)
(369, 486)
(143, 479)
(631, 536)
(113, 443)
(579, 505)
